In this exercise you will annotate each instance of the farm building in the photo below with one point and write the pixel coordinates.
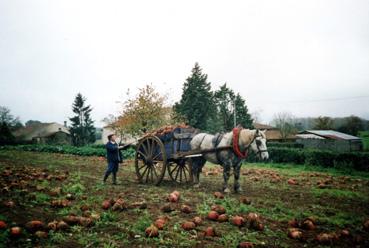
(44, 133)
(273, 134)
(107, 130)
(329, 140)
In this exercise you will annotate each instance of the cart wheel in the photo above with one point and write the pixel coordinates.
(181, 171)
(150, 160)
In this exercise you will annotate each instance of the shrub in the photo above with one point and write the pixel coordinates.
(81, 151)
(325, 158)
(285, 144)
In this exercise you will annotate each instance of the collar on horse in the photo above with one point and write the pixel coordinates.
(236, 147)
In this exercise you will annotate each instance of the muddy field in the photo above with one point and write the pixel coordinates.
(59, 201)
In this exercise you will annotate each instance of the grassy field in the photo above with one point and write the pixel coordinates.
(334, 200)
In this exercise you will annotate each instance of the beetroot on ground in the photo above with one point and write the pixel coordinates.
(86, 222)
(188, 225)
(173, 198)
(41, 234)
(210, 232)
(345, 233)
(186, 209)
(223, 218)
(257, 225)
(3, 225)
(245, 245)
(293, 223)
(213, 215)
(292, 181)
(15, 231)
(238, 221)
(71, 220)
(106, 204)
(326, 238)
(34, 225)
(218, 208)
(245, 200)
(218, 195)
(160, 223)
(62, 225)
(52, 225)
(9, 204)
(152, 231)
(197, 220)
(251, 217)
(294, 233)
(308, 225)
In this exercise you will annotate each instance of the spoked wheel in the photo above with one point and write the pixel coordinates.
(150, 160)
(181, 171)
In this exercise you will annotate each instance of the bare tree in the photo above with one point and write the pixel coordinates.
(284, 121)
(323, 123)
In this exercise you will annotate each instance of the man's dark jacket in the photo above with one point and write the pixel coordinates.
(113, 153)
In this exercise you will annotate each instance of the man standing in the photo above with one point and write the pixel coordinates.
(114, 157)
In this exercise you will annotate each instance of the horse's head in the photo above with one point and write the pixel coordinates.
(258, 142)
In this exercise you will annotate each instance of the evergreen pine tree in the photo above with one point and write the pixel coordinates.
(224, 98)
(82, 129)
(197, 105)
(242, 112)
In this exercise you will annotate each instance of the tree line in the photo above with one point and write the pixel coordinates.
(199, 106)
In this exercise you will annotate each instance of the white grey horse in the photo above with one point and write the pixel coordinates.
(227, 158)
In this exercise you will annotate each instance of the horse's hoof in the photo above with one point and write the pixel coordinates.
(227, 190)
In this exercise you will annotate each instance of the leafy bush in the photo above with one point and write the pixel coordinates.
(357, 160)
(285, 144)
(81, 151)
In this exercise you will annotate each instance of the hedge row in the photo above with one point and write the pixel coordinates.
(356, 160)
(285, 144)
(81, 151)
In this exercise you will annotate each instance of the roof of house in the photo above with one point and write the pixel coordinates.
(263, 126)
(39, 130)
(331, 134)
(275, 134)
(308, 136)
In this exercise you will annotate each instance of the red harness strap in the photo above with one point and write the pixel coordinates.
(236, 147)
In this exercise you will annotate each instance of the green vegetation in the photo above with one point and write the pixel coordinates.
(364, 135)
(96, 150)
(351, 160)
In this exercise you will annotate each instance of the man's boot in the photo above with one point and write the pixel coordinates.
(105, 177)
(114, 178)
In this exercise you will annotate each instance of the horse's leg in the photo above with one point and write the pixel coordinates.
(226, 175)
(198, 163)
(236, 171)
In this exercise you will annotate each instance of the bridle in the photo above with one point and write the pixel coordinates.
(258, 144)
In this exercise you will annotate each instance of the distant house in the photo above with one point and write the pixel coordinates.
(107, 130)
(44, 133)
(273, 134)
(329, 140)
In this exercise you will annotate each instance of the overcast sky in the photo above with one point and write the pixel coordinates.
(309, 57)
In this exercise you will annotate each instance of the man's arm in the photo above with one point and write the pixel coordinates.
(110, 147)
(122, 147)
